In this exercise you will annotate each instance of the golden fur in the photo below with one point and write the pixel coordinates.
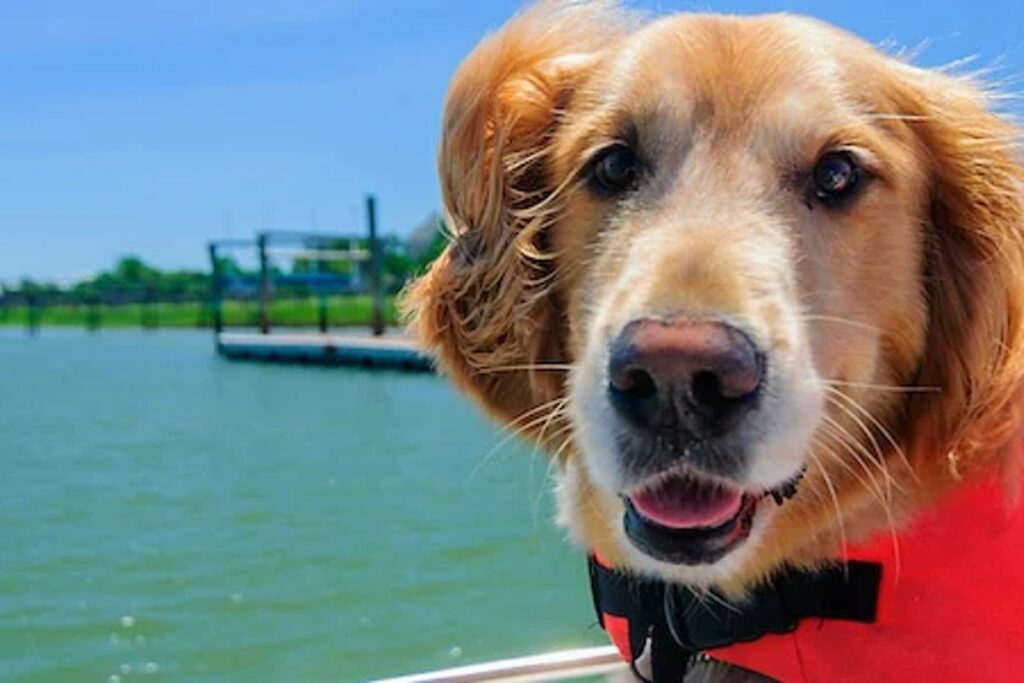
(904, 311)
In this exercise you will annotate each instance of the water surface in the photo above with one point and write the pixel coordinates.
(168, 515)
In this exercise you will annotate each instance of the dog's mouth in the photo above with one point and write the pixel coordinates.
(684, 517)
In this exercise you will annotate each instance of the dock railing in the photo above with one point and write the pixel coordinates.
(320, 264)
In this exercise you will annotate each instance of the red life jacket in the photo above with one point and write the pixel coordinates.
(953, 612)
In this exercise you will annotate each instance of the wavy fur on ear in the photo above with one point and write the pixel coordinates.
(487, 302)
(974, 277)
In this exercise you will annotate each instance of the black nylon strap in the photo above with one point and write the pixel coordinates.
(680, 625)
(642, 602)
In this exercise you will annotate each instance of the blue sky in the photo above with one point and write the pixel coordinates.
(150, 127)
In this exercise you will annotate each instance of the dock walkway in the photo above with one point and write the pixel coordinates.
(388, 351)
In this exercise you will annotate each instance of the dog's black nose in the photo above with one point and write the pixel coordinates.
(673, 376)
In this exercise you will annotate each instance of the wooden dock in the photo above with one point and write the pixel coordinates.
(389, 351)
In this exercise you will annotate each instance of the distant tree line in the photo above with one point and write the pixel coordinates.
(131, 278)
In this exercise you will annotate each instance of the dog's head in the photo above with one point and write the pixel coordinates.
(756, 284)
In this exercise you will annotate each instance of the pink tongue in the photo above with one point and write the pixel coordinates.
(685, 503)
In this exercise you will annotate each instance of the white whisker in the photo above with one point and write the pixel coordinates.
(839, 512)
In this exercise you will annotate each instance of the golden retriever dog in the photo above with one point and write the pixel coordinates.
(748, 279)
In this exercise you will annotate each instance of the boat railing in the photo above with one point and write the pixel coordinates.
(551, 666)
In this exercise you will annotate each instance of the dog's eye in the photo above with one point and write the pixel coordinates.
(835, 178)
(613, 171)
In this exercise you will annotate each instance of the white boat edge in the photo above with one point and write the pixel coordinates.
(550, 666)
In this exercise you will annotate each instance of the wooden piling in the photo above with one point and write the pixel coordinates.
(376, 265)
(33, 314)
(149, 310)
(321, 295)
(215, 289)
(264, 285)
(92, 313)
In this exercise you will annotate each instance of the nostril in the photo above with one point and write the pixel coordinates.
(706, 391)
(636, 382)
(634, 394)
(718, 399)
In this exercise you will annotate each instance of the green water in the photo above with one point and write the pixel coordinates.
(167, 515)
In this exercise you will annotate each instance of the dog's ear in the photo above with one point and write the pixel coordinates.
(486, 307)
(974, 275)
